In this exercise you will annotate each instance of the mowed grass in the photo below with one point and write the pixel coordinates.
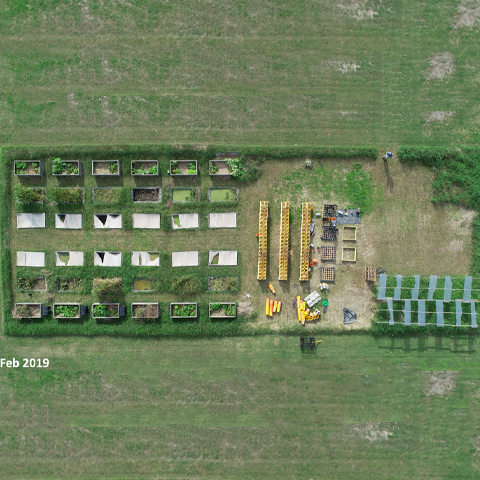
(251, 408)
(288, 72)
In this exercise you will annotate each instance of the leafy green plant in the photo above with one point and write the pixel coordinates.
(213, 168)
(186, 285)
(28, 195)
(68, 195)
(184, 310)
(113, 168)
(144, 171)
(26, 283)
(174, 164)
(192, 168)
(67, 311)
(176, 171)
(223, 284)
(104, 311)
(215, 306)
(22, 311)
(230, 310)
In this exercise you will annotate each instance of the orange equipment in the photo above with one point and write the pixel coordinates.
(267, 307)
(275, 306)
(279, 306)
(271, 308)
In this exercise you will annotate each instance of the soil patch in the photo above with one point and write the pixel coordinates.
(28, 311)
(32, 284)
(105, 168)
(219, 167)
(357, 9)
(244, 309)
(468, 14)
(146, 194)
(145, 310)
(69, 284)
(437, 116)
(374, 431)
(440, 383)
(441, 66)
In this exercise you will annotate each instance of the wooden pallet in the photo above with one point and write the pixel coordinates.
(329, 233)
(329, 211)
(305, 242)
(370, 274)
(262, 241)
(284, 236)
(329, 254)
(327, 274)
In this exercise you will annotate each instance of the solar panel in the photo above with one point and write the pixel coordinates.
(406, 311)
(398, 289)
(382, 285)
(431, 286)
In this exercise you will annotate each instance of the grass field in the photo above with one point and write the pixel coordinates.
(283, 72)
(241, 408)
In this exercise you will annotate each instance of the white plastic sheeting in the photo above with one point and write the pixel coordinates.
(107, 220)
(30, 220)
(30, 259)
(185, 259)
(146, 259)
(68, 220)
(75, 259)
(225, 257)
(108, 259)
(146, 220)
(185, 220)
(223, 220)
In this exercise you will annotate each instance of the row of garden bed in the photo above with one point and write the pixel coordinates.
(139, 168)
(75, 195)
(115, 310)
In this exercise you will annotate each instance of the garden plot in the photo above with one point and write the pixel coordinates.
(107, 220)
(223, 194)
(28, 168)
(185, 259)
(142, 285)
(185, 220)
(222, 310)
(68, 195)
(36, 284)
(68, 259)
(147, 168)
(107, 194)
(28, 310)
(106, 311)
(180, 168)
(66, 310)
(145, 310)
(72, 284)
(219, 168)
(222, 257)
(107, 259)
(184, 195)
(30, 220)
(105, 168)
(146, 259)
(223, 284)
(66, 168)
(183, 310)
(68, 220)
(30, 259)
(146, 220)
(222, 220)
(147, 195)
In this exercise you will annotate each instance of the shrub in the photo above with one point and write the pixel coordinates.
(213, 168)
(244, 169)
(68, 195)
(186, 285)
(107, 288)
(29, 195)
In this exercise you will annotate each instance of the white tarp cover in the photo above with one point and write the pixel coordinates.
(225, 257)
(68, 220)
(187, 220)
(145, 259)
(30, 220)
(185, 259)
(107, 220)
(223, 220)
(146, 220)
(75, 259)
(108, 259)
(30, 259)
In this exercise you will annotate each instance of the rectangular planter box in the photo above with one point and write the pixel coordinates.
(110, 306)
(221, 165)
(55, 305)
(144, 163)
(103, 165)
(36, 290)
(29, 162)
(350, 234)
(147, 201)
(221, 316)
(76, 163)
(30, 306)
(136, 310)
(349, 254)
(183, 166)
(71, 188)
(182, 304)
(147, 282)
(35, 188)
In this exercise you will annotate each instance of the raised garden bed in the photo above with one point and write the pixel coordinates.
(145, 310)
(36, 284)
(147, 195)
(184, 194)
(219, 168)
(66, 310)
(222, 310)
(223, 284)
(141, 168)
(73, 284)
(28, 168)
(143, 285)
(349, 254)
(183, 310)
(107, 194)
(106, 310)
(105, 168)
(223, 194)
(25, 195)
(66, 168)
(180, 168)
(70, 195)
(350, 234)
(28, 310)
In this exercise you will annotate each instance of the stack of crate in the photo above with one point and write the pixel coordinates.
(305, 245)
(262, 241)
(284, 235)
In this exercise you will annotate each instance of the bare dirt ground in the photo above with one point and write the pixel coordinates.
(359, 10)
(468, 14)
(437, 116)
(441, 66)
(374, 431)
(440, 383)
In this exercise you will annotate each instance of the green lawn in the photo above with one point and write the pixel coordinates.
(284, 72)
(239, 408)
